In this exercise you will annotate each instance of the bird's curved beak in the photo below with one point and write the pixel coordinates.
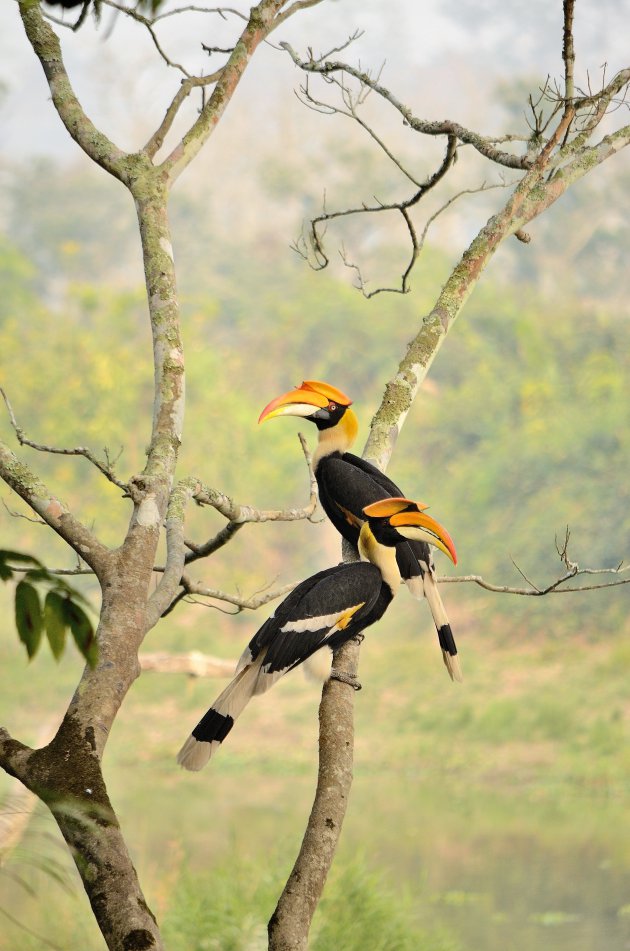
(418, 526)
(297, 402)
(304, 400)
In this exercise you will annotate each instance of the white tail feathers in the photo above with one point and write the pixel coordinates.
(425, 585)
(451, 662)
(215, 725)
(194, 754)
(317, 667)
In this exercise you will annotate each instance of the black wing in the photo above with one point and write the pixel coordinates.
(346, 485)
(327, 608)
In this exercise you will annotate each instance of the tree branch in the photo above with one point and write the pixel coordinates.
(290, 923)
(262, 20)
(239, 514)
(175, 551)
(45, 43)
(105, 467)
(192, 82)
(485, 145)
(53, 511)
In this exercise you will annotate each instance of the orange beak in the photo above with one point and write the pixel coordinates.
(304, 400)
(417, 526)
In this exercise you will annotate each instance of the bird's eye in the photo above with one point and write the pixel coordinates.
(332, 407)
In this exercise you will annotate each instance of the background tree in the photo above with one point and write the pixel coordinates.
(69, 768)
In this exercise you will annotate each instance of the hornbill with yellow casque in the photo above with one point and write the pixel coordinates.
(348, 483)
(324, 611)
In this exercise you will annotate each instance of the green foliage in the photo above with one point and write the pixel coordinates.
(28, 616)
(61, 609)
(226, 908)
(221, 909)
(359, 911)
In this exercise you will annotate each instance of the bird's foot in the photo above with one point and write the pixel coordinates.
(345, 678)
(358, 638)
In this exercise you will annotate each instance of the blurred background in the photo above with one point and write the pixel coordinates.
(486, 816)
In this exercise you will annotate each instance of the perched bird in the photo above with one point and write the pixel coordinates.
(348, 483)
(324, 611)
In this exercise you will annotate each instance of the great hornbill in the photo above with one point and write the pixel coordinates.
(324, 611)
(348, 483)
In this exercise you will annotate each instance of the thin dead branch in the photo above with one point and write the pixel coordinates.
(106, 468)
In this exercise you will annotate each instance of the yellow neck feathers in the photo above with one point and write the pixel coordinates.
(338, 438)
(380, 555)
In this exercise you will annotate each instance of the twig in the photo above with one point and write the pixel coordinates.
(483, 144)
(104, 467)
(28, 518)
(243, 604)
(148, 23)
(244, 513)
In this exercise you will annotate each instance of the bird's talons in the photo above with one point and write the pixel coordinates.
(345, 678)
(358, 638)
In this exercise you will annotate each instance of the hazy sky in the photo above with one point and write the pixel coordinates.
(431, 48)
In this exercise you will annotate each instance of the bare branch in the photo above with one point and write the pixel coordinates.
(54, 512)
(252, 603)
(294, 8)
(28, 518)
(262, 20)
(292, 917)
(157, 139)
(244, 513)
(554, 588)
(104, 467)
(222, 538)
(148, 23)
(171, 576)
(192, 8)
(417, 244)
(483, 144)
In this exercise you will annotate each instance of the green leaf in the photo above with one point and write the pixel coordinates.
(5, 571)
(63, 587)
(55, 622)
(6, 555)
(28, 616)
(82, 630)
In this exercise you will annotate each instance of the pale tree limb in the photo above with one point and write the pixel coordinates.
(175, 551)
(290, 923)
(579, 116)
(251, 603)
(45, 43)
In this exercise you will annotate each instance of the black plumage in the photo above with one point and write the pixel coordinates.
(347, 483)
(324, 611)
